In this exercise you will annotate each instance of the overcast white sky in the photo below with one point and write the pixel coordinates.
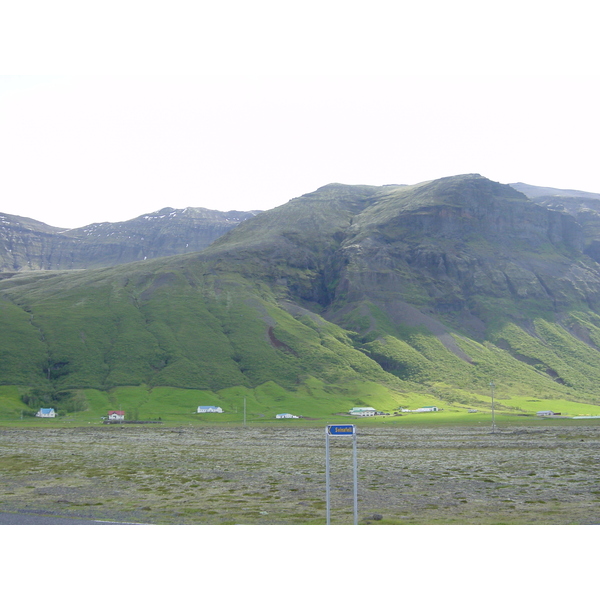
(109, 111)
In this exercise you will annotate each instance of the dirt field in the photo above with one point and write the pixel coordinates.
(458, 475)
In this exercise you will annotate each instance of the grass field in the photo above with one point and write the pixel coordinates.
(314, 400)
(546, 472)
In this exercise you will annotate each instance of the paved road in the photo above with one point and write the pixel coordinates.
(32, 519)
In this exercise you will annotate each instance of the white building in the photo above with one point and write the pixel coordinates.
(363, 411)
(286, 416)
(116, 415)
(46, 413)
(210, 409)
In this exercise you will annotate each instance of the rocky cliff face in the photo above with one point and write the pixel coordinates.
(468, 246)
(584, 207)
(30, 245)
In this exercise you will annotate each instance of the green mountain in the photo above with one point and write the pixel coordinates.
(374, 295)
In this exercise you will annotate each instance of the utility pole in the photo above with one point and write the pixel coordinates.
(493, 415)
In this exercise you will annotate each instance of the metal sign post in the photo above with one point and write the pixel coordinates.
(341, 430)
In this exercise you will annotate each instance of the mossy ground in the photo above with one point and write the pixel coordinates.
(537, 474)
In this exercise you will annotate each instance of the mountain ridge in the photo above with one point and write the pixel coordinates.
(26, 244)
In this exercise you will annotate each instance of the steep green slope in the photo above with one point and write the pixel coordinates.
(161, 325)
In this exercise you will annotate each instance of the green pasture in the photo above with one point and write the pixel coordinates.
(528, 404)
(314, 400)
(317, 402)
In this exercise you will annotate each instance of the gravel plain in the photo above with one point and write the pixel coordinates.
(276, 475)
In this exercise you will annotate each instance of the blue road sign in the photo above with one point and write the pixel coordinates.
(340, 429)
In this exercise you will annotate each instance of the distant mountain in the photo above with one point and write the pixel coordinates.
(361, 293)
(26, 244)
(534, 191)
(584, 206)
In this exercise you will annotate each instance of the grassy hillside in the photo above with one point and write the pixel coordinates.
(178, 327)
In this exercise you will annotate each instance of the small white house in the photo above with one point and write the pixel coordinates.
(545, 413)
(286, 416)
(427, 409)
(116, 415)
(46, 413)
(210, 409)
(363, 411)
